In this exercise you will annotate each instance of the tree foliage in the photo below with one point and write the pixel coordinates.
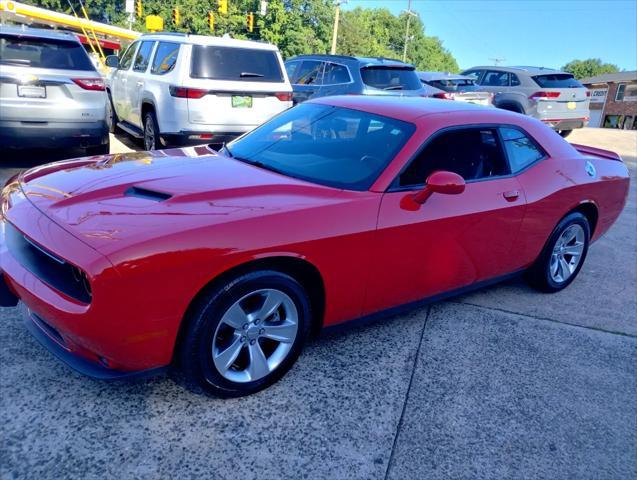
(589, 68)
(295, 26)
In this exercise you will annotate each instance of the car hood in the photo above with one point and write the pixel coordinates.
(112, 201)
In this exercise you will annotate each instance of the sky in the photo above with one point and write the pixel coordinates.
(547, 33)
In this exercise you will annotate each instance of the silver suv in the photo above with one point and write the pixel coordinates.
(174, 89)
(556, 98)
(50, 93)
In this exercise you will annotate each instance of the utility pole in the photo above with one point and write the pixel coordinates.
(337, 3)
(409, 14)
(497, 61)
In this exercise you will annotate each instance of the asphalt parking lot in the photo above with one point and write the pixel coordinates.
(501, 383)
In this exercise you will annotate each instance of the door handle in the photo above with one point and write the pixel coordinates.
(511, 195)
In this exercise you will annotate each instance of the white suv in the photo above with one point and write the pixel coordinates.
(173, 89)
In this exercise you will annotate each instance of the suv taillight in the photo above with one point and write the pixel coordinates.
(90, 83)
(184, 92)
(588, 93)
(443, 95)
(284, 96)
(538, 95)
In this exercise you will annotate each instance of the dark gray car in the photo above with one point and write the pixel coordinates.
(50, 93)
(314, 76)
(553, 97)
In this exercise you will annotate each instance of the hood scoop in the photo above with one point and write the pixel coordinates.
(147, 194)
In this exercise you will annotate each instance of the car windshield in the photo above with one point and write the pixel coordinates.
(558, 80)
(239, 64)
(454, 85)
(43, 53)
(328, 145)
(390, 78)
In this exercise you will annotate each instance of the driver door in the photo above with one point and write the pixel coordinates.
(450, 241)
(119, 83)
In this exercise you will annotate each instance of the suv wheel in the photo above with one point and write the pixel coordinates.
(151, 132)
(111, 116)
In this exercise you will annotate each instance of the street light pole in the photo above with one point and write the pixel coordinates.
(336, 17)
(409, 14)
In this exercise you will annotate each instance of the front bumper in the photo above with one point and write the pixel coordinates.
(15, 134)
(53, 342)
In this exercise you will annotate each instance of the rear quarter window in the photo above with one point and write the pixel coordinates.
(43, 53)
(557, 80)
(389, 78)
(231, 63)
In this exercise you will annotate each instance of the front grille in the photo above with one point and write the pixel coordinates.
(48, 267)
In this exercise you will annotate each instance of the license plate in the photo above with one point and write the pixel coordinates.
(239, 101)
(31, 91)
(571, 105)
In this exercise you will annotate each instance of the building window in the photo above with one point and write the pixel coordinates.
(623, 122)
(626, 92)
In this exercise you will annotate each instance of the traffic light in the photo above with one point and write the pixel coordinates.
(250, 21)
(139, 9)
(211, 21)
(223, 7)
(176, 16)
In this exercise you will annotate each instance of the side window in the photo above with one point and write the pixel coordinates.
(310, 73)
(127, 58)
(521, 150)
(495, 79)
(472, 153)
(165, 58)
(515, 81)
(142, 59)
(473, 74)
(335, 74)
(290, 68)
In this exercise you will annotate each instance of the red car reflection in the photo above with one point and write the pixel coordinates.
(223, 263)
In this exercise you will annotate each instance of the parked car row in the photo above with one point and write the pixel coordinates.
(178, 89)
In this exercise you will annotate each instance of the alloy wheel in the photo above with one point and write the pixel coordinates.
(255, 335)
(567, 253)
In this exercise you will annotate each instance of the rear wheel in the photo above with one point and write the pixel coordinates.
(563, 256)
(151, 132)
(245, 335)
(103, 149)
(564, 133)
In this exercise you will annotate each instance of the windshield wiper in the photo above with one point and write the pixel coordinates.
(249, 74)
(259, 164)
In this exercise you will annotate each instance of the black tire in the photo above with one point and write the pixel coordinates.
(564, 133)
(151, 137)
(103, 149)
(194, 352)
(111, 115)
(539, 275)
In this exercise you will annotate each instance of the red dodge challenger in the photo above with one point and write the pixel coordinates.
(223, 263)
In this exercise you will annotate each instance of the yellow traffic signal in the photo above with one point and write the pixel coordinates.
(250, 20)
(223, 7)
(139, 9)
(211, 21)
(176, 16)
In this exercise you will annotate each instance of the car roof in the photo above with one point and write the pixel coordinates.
(38, 33)
(207, 40)
(441, 76)
(528, 70)
(360, 61)
(407, 108)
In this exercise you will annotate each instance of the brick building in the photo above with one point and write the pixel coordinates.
(613, 100)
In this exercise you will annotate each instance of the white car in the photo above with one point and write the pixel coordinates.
(177, 89)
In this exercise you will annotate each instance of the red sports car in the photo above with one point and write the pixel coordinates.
(223, 263)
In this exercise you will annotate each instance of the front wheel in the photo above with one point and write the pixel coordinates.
(563, 255)
(245, 335)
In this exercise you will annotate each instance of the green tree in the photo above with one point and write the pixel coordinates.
(589, 68)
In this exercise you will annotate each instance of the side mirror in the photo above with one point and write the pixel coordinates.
(112, 61)
(447, 183)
